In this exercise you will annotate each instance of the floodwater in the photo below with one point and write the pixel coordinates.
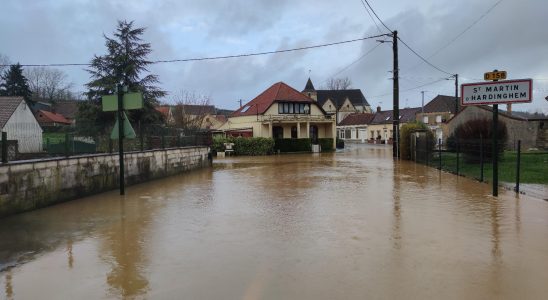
(348, 225)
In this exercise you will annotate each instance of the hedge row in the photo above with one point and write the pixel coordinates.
(245, 146)
(293, 145)
(326, 144)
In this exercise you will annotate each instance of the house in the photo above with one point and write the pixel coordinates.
(354, 127)
(17, 119)
(167, 114)
(338, 102)
(281, 112)
(67, 108)
(380, 128)
(436, 113)
(47, 118)
(533, 132)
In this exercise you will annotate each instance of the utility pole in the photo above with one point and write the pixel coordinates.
(456, 93)
(396, 93)
(422, 106)
(240, 102)
(121, 136)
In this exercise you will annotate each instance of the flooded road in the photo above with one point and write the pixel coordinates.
(348, 225)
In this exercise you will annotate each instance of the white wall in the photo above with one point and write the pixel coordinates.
(23, 127)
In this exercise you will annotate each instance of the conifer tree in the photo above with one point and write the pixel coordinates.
(125, 63)
(15, 84)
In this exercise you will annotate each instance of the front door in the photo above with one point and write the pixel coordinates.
(277, 132)
(314, 134)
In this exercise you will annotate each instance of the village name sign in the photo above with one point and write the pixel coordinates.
(497, 92)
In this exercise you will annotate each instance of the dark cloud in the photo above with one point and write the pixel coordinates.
(512, 37)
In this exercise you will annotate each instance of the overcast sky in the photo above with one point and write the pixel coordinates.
(512, 37)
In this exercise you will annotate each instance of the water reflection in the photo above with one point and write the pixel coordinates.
(341, 225)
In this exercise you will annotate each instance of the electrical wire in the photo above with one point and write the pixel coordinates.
(423, 59)
(216, 57)
(372, 10)
(460, 34)
(372, 19)
(413, 88)
(353, 63)
(405, 44)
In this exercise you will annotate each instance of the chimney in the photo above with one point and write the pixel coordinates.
(379, 109)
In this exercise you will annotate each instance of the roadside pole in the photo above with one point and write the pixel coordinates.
(396, 100)
(120, 113)
(496, 92)
(120, 102)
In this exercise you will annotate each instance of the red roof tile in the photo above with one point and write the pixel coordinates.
(276, 93)
(357, 119)
(49, 117)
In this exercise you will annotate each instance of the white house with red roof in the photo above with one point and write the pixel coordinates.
(281, 112)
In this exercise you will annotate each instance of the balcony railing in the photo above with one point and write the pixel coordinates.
(295, 118)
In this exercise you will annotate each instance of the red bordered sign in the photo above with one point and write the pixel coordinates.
(497, 92)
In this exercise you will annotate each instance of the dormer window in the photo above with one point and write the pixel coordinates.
(293, 108)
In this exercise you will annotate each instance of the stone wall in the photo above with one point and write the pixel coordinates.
(28, 185)
(518, 128)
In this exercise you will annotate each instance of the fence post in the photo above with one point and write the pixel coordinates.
(481, 158)
(427, 149)
(439, 153)
(518, 166)
(141, 137)
(458, 154)
(163, 138)
(67, 144)
(4, 147)
(109, 145)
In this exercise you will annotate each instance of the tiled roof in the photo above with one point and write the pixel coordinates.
(48, 117)
(197, 110)
(164, 110)
(338, 97)
(7, 106)
(68, 109)
(441, 103)
(276, 93)
(357, 119)
(406, 115)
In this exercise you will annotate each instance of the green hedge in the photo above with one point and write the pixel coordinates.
(326, 144)
(245, 146)
(293, 145)
(405, 134)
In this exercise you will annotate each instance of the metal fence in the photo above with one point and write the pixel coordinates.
(474, 159)
(74, 140)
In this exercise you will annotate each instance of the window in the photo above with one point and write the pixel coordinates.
(372, 134)
(293, 108)
(425, 119)
(387, 118)
(245, 108)
(438, 119)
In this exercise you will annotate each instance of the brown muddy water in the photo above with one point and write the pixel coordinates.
(348, 225)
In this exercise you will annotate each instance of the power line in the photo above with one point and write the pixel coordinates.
(423, 59)
(353, 63)
(408, 47)
(372, 10)
(216, 57)
(413, 88)
(372, 19)
(462, 33)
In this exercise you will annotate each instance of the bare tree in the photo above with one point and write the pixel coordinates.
(4, 62)
(191, 109)
(338, 83)
(48, 84)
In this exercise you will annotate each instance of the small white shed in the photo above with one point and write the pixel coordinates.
(17, 119)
